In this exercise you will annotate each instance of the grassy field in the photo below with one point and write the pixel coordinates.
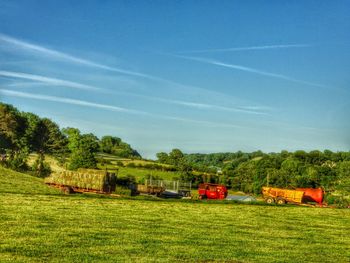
(140, 173)
(114, 159)
(39, 224)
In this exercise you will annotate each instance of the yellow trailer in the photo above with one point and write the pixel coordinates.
(282, 196)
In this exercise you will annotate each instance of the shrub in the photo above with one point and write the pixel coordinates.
(41, 168)
(131, 165)
(126, 180)
(120, 164)
(337, 200)
(122, 190)
(103, 161)
(17, 160)
(82, 159)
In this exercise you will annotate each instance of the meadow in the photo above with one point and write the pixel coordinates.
(39, 224)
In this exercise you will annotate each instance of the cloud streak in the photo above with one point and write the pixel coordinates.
(110, 108)
(69, 101)
(255, 110)
(233, 49)
(47, 80)
(67, 57)
(251, 70)
(51, 53)
(203, 106)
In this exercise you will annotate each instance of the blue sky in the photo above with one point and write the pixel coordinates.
(202, 76)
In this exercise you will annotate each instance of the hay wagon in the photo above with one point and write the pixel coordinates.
(93, 181)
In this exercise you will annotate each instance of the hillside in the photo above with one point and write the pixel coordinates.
(19, 183)
(38, 224)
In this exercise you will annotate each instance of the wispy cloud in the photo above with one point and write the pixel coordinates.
(255, 110)
(111, 108)
(30, 84)
(204, 106)
(67, 57)
(246, 48)
(47, 80)
(69, 101)
(51, 53)
(251, 70)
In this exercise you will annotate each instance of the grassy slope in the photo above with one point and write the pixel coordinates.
(55, 167)
(46, 226)
(14, 182)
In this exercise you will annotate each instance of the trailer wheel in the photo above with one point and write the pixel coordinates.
(270, 200)
(67, 190)
(280, 201)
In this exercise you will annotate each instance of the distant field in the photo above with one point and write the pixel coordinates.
(140, 173)
(38, 224)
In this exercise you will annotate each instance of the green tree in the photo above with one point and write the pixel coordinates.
(163, 157)
(12, 131)
(45, 138)
(108, 143)
(83, 148)
(175, 157)
(12, 127)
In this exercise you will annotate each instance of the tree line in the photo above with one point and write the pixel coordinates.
(22, 133)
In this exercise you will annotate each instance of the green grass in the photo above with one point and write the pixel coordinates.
(19, 183)
(38, 224)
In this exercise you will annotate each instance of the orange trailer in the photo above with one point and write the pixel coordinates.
(297, 196)
(282, 196)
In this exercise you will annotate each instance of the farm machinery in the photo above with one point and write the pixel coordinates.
(212, 191)
(297, 196)
(164, 188)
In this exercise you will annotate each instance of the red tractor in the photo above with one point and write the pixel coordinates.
(212, 191)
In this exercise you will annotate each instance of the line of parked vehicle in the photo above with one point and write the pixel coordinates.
(82, 181)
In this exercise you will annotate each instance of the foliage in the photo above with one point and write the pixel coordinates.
(248, 172)
(40, 167)
(82, 147)
(12, 127)
(126, 180)
(115, 146)
(23, 132)
(17, 159)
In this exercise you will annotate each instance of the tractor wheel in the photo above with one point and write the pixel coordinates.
(201, 197)
(280, 201)
(270, 200)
